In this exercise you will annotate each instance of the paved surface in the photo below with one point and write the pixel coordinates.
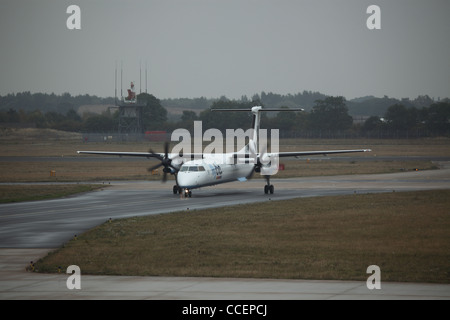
(49, 224)
(26, 228)
(15, 283)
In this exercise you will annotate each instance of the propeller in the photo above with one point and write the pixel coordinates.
(166, 162)
(258, 165)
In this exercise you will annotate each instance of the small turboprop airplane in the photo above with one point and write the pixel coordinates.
(208, 169)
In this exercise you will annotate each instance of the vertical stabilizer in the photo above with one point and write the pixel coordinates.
(256, 125)
(256, 111)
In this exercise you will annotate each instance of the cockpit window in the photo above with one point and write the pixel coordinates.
(192, 168)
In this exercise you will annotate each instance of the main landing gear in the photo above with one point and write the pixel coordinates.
(268, 188)
(184, 192)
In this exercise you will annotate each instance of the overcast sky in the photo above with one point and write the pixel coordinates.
(210, 48)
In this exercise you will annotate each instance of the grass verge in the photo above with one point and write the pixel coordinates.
(24, 171)
(335, 238)
(17, 193)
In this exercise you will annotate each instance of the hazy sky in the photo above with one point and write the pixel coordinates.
(211, 48)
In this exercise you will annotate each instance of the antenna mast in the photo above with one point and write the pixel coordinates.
(115, 84)
(121, 76)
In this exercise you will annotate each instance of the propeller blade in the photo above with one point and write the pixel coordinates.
(252, 173)
(154, 167)
(156, 155)
(166, 162)
(257, 166)
(261, 155)
(166, 150)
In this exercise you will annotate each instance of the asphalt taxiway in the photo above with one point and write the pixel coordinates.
(26, 228)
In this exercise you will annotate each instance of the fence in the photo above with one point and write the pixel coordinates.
(283, 134)
(125, 137)
(359, 134)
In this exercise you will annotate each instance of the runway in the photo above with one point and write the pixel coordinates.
(26, 228)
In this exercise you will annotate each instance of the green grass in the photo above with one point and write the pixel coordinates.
(17, 193)
(335, 238)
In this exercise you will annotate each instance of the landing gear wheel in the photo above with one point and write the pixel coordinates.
(268, 188)
(186, 193)
(176, 189)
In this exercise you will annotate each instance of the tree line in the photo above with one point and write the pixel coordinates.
(401, 121)
(327, 118)
(44, 102)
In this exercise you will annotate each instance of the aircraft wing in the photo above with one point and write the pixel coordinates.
(128, 154)
(312, 153)
(143, 154)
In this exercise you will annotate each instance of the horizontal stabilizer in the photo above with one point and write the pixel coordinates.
(260, 109)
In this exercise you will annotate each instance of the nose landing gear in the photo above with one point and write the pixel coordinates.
(184, 192)
(187, 193)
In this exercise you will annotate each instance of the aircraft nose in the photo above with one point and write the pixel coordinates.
(183, 179)
(191, 179)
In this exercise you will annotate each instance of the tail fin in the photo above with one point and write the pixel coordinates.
(256, 110)
(256, 125)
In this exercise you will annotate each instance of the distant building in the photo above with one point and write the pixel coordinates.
(360, 119)
(92, 108)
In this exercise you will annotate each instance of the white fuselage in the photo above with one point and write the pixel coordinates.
(211, 170)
